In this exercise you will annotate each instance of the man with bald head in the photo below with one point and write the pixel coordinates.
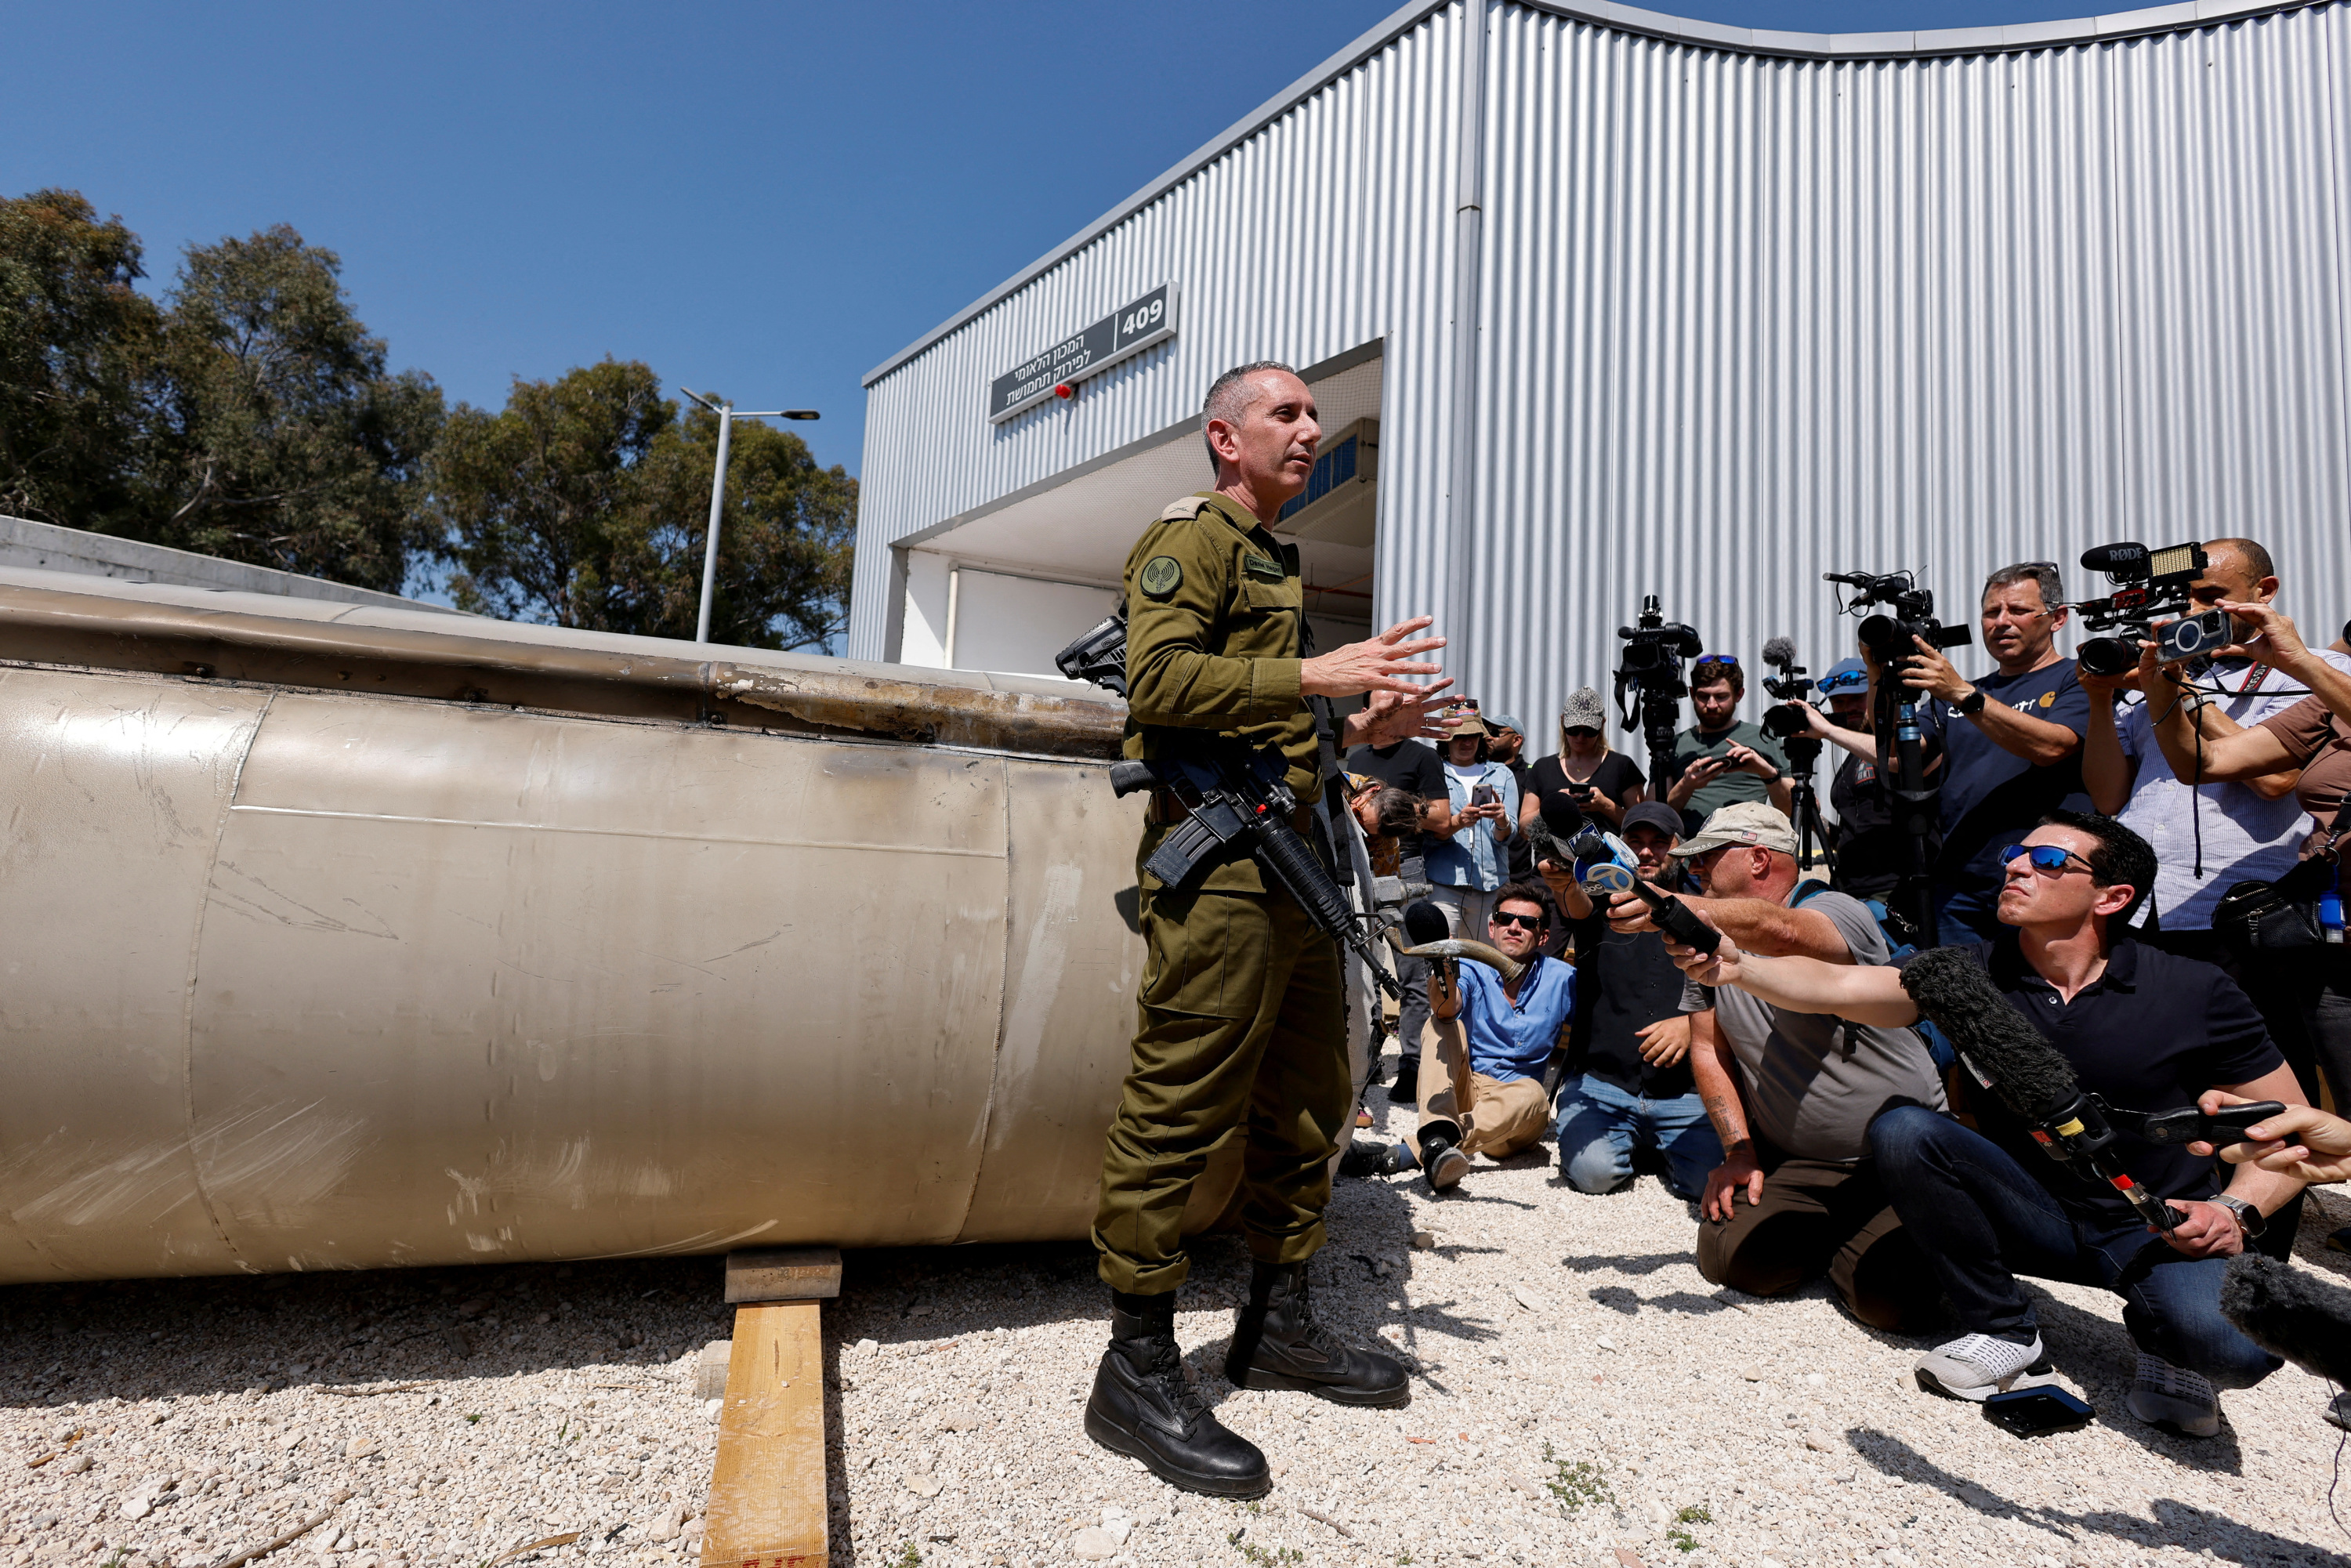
(1241, 1029)
(2209, 838)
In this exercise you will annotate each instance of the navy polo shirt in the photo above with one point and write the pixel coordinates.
(1991, 796)
(2151, 1033)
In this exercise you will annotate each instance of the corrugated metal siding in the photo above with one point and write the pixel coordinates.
(1752, 319)
(1746, 320)
(1321, 233)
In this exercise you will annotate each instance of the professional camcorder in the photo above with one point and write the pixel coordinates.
(2150, 586)
(1888, 636)
(1785, 721)
(1650, 684)
(1916, 801)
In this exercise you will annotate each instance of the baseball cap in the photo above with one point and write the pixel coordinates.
(1472, 725)
(1653, 814)
(1498, 721)
(1746, 823)
(1582, 710)
(1846, 676)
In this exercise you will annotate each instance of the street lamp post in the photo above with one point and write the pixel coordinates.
(726, 418)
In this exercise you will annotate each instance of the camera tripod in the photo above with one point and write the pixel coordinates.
(1804, 802)
(1917, 811)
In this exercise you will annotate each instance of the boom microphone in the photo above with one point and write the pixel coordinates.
(2015, 1061)
(2289, 1312)
(1425, 923)
(1781, 651)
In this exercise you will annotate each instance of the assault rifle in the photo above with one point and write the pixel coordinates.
(1237, 797)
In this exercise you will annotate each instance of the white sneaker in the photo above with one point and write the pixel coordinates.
(2163, 1395)
(1977, 1367)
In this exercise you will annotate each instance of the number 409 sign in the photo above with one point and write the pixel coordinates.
(1128, 330)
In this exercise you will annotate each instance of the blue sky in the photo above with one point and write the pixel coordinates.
(765, 199)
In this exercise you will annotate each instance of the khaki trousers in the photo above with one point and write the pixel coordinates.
(1492, 1116)
(1819, 1217)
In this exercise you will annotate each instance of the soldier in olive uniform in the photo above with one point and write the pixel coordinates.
(1242, 1021)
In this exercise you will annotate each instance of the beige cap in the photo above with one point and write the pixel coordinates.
(1747, 822)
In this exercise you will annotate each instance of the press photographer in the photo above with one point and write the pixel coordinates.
(2012, 740)
(1722, 760)
(2140, 1028)
(1874, 850)
(2209, 838)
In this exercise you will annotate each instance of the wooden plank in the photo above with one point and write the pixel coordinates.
(783, 1274)
(767, 1489)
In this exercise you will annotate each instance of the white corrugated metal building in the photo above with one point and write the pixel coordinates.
(1613, 303)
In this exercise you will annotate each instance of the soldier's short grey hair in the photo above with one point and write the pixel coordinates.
(1231, 396)
(2041, 573)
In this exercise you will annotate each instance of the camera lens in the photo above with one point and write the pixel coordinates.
(2108, 656)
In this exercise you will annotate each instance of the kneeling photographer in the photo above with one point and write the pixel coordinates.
(2137, 1027)
(1489, 1040)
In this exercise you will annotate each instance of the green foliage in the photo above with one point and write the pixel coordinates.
(282, 439)
(76, 339)
(1678, 1532)
(250, 416)
(473, 1418)
(1253, 1553)
(910, 1557)
(583, 504)
(1575, 1485)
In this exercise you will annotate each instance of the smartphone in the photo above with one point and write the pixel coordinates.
(1485, 795)
(1581, 791)
(2036, 1412)
(2193, 637)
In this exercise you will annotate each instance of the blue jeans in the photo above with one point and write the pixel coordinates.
(1599, 1125)
(1982, 1219)
(1967, 915)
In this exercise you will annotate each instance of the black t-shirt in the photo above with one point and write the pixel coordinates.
(1615, 776)
(2153, 1033)
(1871, 851)
(1412, 766)
(1623, 983)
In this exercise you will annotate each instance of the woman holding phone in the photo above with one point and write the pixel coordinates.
(1602, 782)
(1468, 869)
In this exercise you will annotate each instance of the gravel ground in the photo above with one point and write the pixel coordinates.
(1581, 1397)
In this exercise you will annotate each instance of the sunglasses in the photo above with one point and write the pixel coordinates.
(1524, 922)
(1581, 732)
(1841, 685)
(1718, 658)
(2050, 860)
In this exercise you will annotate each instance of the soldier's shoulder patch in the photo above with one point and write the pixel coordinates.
(1160, 576)
(1263, 566)
(1184, 510)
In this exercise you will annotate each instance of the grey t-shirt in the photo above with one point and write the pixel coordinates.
(1815, 1082)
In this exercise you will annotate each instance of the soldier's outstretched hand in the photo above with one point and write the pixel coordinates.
(1408, 714)
(1379, 664)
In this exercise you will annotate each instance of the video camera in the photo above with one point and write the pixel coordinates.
(2158, 581)
(1650, 684)
(1888, 636)
(1785, 721)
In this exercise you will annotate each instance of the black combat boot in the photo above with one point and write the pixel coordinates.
(1278, 1344)
(1145, 1405)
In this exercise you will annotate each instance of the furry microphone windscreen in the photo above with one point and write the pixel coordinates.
(2025, 1070)
(1425, 923)
(1780, 651)
(2289, 1312)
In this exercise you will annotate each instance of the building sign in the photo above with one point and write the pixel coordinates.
(1128, 330)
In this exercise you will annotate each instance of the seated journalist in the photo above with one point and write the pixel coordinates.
(1487, 1041)
(2141, 1028)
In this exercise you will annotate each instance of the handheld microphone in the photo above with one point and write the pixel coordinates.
(2012, 1059)
(1426, 935)
(1425, 923)
(2289, 1312)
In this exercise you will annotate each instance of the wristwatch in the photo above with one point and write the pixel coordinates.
(1969, 705)
(2249, 1220)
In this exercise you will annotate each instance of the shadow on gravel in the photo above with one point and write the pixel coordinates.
(2175, 1523)
(147, 1339)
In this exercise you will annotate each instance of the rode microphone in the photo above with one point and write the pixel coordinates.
(2122, 559)
(2289, 1312)
(2010, 1057)
(1781, 651)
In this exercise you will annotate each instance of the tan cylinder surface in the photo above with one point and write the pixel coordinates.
(300, 979)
